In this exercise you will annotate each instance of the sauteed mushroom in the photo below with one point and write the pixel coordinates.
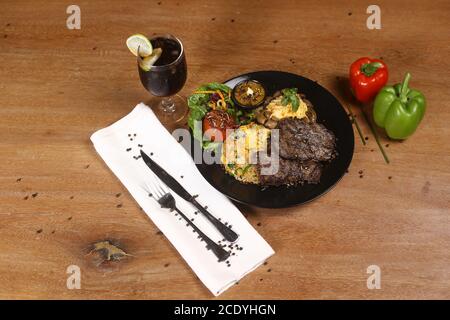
(261, 118)
(271, 124)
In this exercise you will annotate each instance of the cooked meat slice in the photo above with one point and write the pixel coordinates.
(291, 172)
(305, 141)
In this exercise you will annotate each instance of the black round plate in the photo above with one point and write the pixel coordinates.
(329, 112)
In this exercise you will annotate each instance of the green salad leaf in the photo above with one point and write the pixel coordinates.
(215, 86)
(211, 145)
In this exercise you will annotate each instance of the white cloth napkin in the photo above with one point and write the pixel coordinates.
(119, 146)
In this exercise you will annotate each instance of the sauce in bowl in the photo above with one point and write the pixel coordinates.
(248, 94)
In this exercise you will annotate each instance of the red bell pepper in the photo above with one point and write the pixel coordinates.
(367, 77)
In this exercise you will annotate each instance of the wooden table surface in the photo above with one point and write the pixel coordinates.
(58, 198)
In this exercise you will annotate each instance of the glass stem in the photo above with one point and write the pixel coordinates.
(167, 105)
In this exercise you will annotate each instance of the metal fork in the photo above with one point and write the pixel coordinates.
(167, 201)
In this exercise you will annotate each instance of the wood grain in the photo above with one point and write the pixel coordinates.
(57, 197)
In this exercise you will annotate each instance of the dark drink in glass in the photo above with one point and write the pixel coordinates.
(167, 77)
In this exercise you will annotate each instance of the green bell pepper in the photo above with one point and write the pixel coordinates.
(399, 109)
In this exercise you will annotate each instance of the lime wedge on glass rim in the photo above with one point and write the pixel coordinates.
(141, 42)
(147, 62)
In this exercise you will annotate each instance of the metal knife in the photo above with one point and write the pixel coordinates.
(176, 187)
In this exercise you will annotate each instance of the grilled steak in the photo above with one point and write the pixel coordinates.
(305, 141)
(291, 172)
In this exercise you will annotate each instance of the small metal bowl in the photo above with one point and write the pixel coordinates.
(247, 107)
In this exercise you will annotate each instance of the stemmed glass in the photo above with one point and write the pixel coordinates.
(166, 78)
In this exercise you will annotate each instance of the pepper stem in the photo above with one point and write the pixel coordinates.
(404, 87)
(370, 68)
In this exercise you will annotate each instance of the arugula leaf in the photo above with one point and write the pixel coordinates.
(215, 86)
(197, 104)
(198, 109)
(248, 116)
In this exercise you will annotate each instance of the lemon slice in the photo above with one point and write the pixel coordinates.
(147, 62)
(139, 41)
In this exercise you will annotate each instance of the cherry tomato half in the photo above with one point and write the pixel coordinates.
(215, 125)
